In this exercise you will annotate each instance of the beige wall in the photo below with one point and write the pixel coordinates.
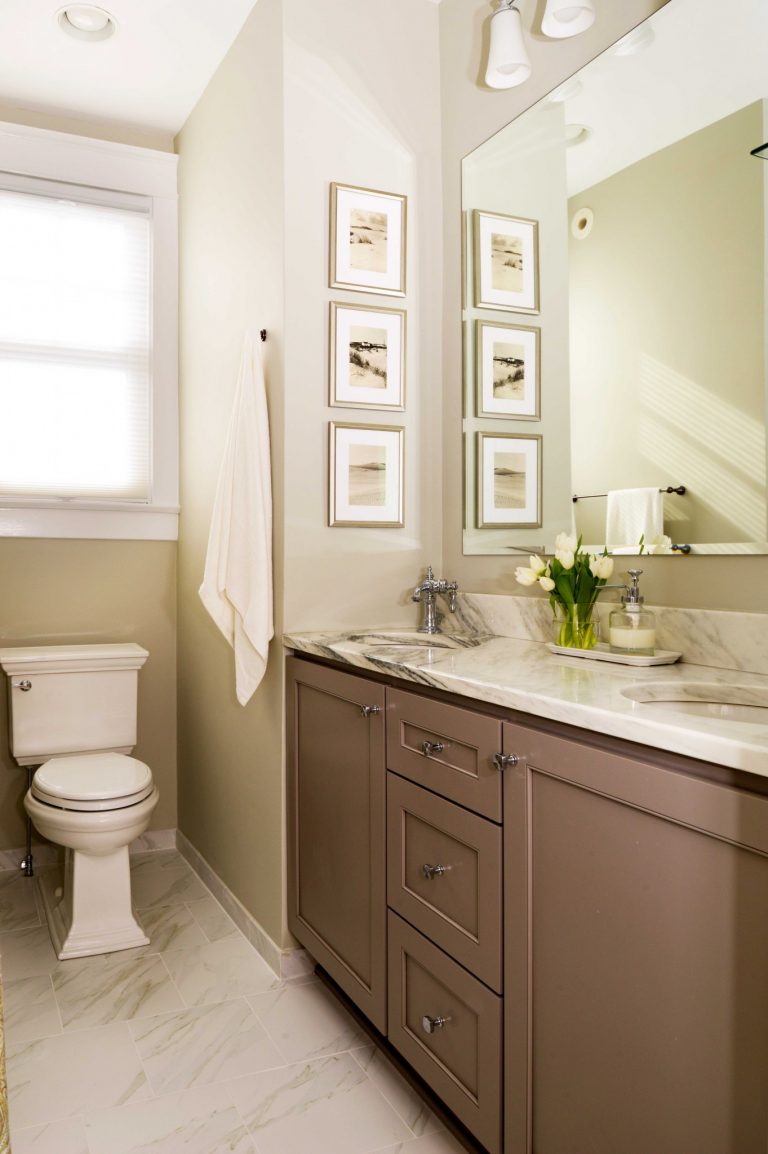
(667, 311)
(231, 220)
(60, 592)
(88, 126)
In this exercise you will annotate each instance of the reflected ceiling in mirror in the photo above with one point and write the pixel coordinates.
(651, 327)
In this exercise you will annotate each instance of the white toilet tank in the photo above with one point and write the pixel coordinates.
(68, 699)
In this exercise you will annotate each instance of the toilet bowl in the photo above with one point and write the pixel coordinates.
(94, 806)
(73, 714)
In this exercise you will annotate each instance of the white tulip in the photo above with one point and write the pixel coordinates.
(547, 584)
(660, 544)
(537, 565)
(601, 567)
(525, 576)
(566, 543)
(566, 558)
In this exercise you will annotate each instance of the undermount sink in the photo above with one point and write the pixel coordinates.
(411, 639)
(744, 703)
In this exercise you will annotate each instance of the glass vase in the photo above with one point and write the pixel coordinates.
(575, 626)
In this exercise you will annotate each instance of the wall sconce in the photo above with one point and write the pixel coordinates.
(564, 18)
(508, 63)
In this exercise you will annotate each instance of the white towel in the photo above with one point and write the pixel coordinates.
(237, 583)
(632, 514)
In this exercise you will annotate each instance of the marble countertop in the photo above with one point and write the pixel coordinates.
(526, 676)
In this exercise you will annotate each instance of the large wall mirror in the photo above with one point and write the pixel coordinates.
(615, 315)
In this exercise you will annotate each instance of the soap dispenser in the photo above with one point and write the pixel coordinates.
(632, 629)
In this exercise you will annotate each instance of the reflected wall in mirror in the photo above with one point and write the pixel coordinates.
(652, 262)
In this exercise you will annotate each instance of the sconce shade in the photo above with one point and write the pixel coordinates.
(564, 18)
(761, 152)
(508, 63)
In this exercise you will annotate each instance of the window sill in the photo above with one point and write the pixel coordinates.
(107, 523)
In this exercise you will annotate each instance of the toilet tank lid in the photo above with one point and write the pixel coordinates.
(93, 776)
(72, 658)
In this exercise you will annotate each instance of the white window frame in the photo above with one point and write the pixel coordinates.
(109, 173)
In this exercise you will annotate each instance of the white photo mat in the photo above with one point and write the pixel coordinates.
(366, 470)
(522, 346)
(508, 481)
(368, 240)
(506, 247)
(357, 334)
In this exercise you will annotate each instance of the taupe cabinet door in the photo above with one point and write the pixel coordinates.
(644, 1029)
(337, 814)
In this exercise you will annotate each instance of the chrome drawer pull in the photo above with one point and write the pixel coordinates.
(435, 871)
(429, 1025)
(369, 710)
(505, 760)
(430, 747)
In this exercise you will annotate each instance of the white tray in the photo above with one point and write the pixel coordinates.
(603, 653)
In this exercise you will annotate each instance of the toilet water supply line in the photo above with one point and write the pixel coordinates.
(26, 865)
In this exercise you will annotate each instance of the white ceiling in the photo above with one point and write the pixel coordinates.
(150, 74)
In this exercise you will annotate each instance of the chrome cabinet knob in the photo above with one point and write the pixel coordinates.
(430, 747)
(369, 710)
(24, 686)
(433, 871)
(505, 760)
(429, 1025)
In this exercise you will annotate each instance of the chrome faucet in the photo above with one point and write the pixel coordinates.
(427, 593)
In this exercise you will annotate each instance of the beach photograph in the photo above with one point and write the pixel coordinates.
(508, 371)
(367, 357)
(368, 240)
(506, 262)
(509, 480)
(367, 474)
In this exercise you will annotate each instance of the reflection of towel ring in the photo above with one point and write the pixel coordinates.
(581, 223)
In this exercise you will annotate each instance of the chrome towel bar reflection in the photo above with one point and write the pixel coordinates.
(679, 489)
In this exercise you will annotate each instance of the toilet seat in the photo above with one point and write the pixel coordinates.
(92, 782)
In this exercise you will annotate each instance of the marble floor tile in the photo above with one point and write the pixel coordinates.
(74, 1073)
(306, 1021)
(219, 971)
(209, 1044)
(202, 1121)
(442, 1143)
(163, 879)
(410, 1106)
(328, 1106)
(113, 988)
(18, 901)
(212, 919)
(30, 1009)
(67, 1137)
(169, 928)
(27, 954)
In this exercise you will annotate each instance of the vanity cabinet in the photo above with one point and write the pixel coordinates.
(577, 934)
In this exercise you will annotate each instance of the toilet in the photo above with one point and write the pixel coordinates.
(73, 714)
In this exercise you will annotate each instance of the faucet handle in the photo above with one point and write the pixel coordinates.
(416, 595)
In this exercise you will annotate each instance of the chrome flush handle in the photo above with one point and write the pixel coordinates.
(24, 685)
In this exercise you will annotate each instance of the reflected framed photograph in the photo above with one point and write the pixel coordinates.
(368, 240)
(506, 258)
(366, 469)
(508, 371)
(367, 357)
(508, 481)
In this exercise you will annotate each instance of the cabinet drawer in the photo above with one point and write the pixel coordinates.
(447, 749)
(448, 1026)
(444, 875)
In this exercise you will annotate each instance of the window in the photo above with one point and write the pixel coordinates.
(75, 325)
(88, 338)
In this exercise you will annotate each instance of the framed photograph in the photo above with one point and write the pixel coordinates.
(506, 257)
(367, 353)
(508, 371)
(508, 481)
(368, 240)
(366, 475)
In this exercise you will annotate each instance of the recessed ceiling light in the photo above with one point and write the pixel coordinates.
(576, 134)
(566, 91)
(86, 22)
(635, 41)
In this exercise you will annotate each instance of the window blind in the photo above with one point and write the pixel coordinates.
(75, 337)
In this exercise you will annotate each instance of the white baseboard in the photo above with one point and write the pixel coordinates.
(285, 963)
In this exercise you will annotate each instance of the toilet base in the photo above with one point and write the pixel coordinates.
(91, 912)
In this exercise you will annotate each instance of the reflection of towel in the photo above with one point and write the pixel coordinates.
(237, 584)
(632, 514)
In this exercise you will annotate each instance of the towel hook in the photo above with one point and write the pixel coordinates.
(263, 334)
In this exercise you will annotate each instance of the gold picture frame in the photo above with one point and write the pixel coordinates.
(368, 240)
(508, 371)
(367, 346)
(506, 262)
(366, 471)
(509, 477)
